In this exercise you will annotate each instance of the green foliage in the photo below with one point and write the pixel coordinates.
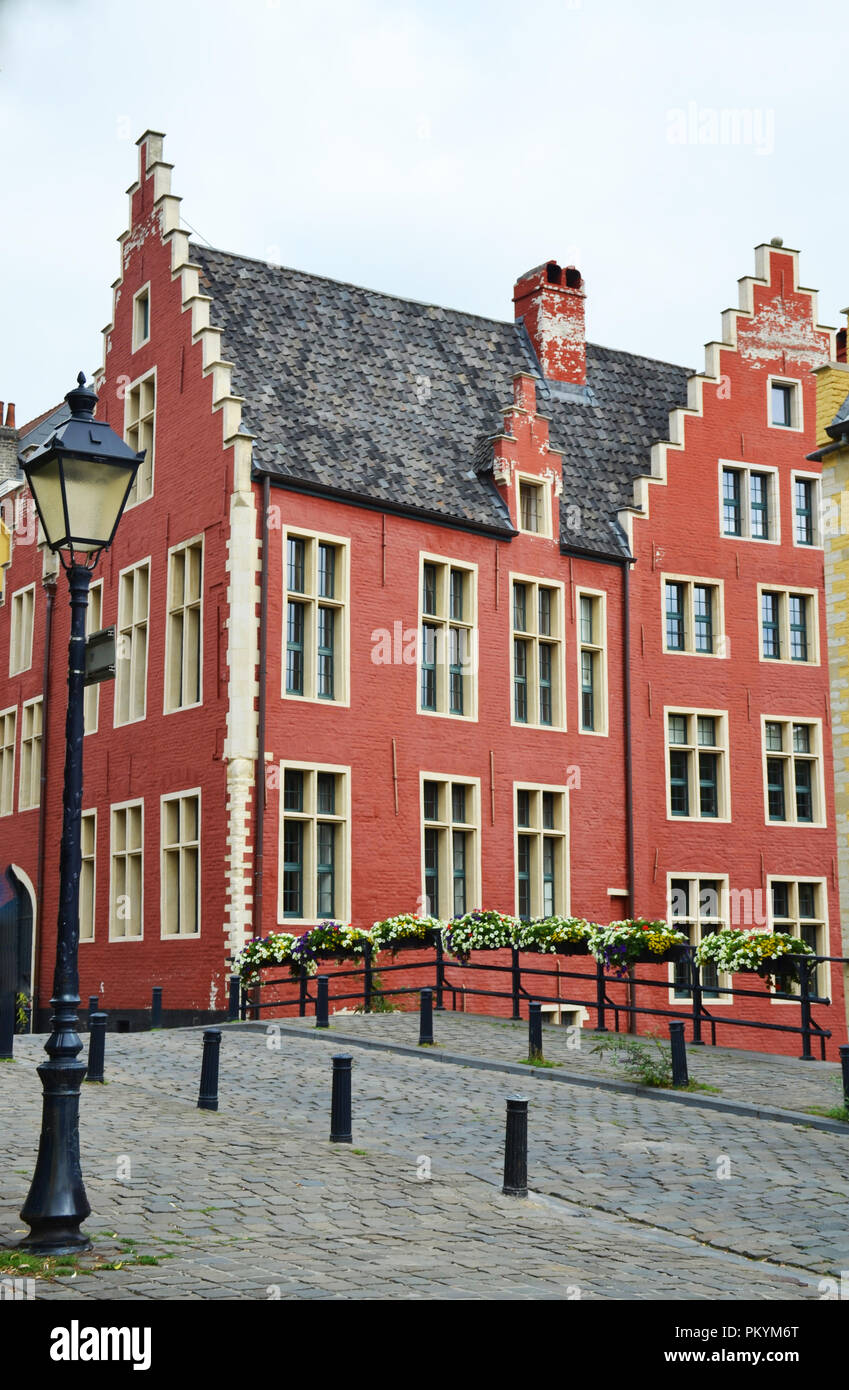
(646, 1060)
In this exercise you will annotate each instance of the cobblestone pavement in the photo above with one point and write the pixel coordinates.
(628, 1200)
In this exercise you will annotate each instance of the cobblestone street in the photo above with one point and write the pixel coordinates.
(627, 1202)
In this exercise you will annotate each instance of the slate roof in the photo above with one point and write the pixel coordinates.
(33, 434)
(392, 401)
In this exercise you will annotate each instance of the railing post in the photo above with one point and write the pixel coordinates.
(534, 1031)
(516, 979)
(208, 1094)
(426, 1018)
(440, 973)
(368, 979)
(7, 1025)
(233, 998)
(516, 1148)
(156, 1007)
(601, 1025)
(302, 992)
(696, 991)
(340, 1100)
(243, 1006)
(805, 988)
(322, 1014)
(844, 1064)
(680, 1075)
(96, 1046)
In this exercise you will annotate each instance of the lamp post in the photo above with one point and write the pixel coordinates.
(80, 479)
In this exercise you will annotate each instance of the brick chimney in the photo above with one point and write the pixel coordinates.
(550, 301)
(8, 445)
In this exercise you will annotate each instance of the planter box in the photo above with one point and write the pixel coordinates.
(673, 955)
(779, 967)
(412, 943)
(570, 948)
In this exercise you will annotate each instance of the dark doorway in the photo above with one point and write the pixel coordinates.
(15, 946)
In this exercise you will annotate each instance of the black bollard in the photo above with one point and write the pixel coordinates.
(680, 1075)
(426, 1018)
(516, 1148)
(534, 1032)
(208, 1095)
(844, 1063)
(340, 1101)
(156, 1007)
(93, 1004)
(322, 1014)
(7, 1025)
(96, 1046)
(233, 999)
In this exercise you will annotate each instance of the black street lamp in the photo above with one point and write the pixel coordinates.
(80, 479)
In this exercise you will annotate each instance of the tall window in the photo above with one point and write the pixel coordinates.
(185, 621)
(127, 882)
(807, 504)
(749, 504)
(88, 865)
(693, 617)
(696, 908)
(8, 735)
(793, 770)
(542, 888)
(592, 657)
(799, 908)
(788, 622)
(533, 511)
(314, 846)
(448, 639)
(93, 623)
(316, 617)
(20, 641)
(139, 420)
(537, 616)
(697, 754)
(450, 821)
(29, 794)
(783, 404)
(141, 317)
(181, 864)
(131, 653)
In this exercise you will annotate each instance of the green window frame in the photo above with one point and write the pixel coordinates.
(798, 612)
(675, 626)
(294, 648)
(804, 507)
(520, 680)
(759, 506)
(703, 617)
(771, 625)
(732, 510)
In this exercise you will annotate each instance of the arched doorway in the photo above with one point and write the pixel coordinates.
(16, 943)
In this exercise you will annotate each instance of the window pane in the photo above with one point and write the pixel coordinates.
(430, 796)
(804, 496)
(295, 649)
(429, 589)
(520, 607)
(459, 871)
(781, 900)
(708, 787)
(326, 794)
(775, 788)
(587, 620)
(549, 861)
(781, 404)
(325, 868)
(296, 565)
(523, 807)
(544, 683)
(801, 738)
(428, 666)
(520, 681)
(807, 900)
(293, 790)
(431, 859)
(677, 728)
(774, 737)
(675, 636)
(458, 803)
(706, 731)
(758, 494)
(548, 810)
(731, 510)
(326, 633)
(703, 617)
(326, 570)
(545, 612)
(457, 578)
(293, 857)
(770, 626)
(523, 871)
(679, 791)
(804, 791)
(798, 627)
(588, 660)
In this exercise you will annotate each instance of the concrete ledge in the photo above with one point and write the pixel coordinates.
(697, 1100)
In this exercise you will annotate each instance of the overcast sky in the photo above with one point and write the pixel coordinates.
(433, 150)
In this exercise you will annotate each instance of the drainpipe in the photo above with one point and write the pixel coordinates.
(49, 585)
(259, 785)
(629, 770)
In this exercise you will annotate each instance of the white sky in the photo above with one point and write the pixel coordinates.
(433, 150)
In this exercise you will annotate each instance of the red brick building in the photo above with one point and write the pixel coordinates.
(415, 606)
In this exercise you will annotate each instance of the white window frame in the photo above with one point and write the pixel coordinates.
(783, 924)
(171, 611)
(124, 806)
(774, 502)
(138, 341)
(691, 582)
(724, 765)
(797, 404)
(539, 832)
(312, 600)
(92, 859)
(443, 621)
(308, 866)
(20, 644)
(150, 456)
(801, 475)
(546, 530)
(91, 696)
(13, 710)
(34, 804)
(695, 920)
(446, 824)
(784, 593)
(558, 663)
(600, 594)
(119, 678)
(787, 755)
(164, 849)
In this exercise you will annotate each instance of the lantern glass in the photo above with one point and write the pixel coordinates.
(80, 500)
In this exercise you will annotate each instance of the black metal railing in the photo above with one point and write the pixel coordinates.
(255, 1000)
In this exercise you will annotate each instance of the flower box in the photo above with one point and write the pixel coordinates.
(673, 954)
(571, 948)
(413, 943)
